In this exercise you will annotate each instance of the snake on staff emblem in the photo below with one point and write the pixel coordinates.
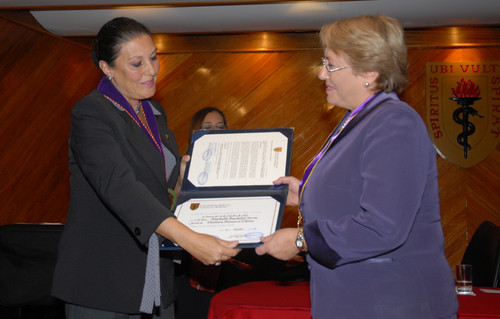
(467, 127)
(465, 94)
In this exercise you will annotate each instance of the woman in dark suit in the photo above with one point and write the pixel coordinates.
(125, 168)
(369, 198)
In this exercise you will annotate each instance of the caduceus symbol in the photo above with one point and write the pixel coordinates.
(465, 94)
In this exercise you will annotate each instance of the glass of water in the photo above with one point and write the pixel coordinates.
(463, 279)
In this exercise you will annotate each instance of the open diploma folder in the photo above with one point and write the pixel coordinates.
(228, 189)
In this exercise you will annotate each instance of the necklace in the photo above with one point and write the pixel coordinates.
(142, 123)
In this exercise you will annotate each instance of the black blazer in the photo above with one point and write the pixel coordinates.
(118, 198)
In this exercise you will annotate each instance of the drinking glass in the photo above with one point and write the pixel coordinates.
(463, 279)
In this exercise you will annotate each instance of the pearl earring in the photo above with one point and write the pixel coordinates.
(110, 77)
(367, 84)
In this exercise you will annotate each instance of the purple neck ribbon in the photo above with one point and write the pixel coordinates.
(111, 93)
(326, 146)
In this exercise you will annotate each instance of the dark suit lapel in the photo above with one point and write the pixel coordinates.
(142, 143)
(147, 150)
(167, 137)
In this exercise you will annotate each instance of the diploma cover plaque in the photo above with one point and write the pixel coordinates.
(228, 189)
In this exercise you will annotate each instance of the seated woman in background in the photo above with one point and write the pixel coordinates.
(208, 118)
(195, 281)
(204, 277)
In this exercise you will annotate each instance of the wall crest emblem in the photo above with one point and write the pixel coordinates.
(463, 109)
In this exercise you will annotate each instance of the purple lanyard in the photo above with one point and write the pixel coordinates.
(312, 165)
(151, 129)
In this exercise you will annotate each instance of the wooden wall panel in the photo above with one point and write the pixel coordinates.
(43, 76)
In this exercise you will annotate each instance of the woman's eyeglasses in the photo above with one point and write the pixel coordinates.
(207, 127)
(330, 67)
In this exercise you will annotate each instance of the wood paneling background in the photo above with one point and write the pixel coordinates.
(42, 76)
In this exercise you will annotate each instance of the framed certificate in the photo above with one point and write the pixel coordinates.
(228, 189)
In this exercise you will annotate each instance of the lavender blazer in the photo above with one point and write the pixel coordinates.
(372, 221)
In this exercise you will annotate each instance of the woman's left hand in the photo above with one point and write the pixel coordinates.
(210, 250)
(207, 249)
(280, 245)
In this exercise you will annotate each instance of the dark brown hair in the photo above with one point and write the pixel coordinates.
(113, 35)
(198, 118)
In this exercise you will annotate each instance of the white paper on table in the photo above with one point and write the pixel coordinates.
(238, 159)
(245, 219)
(491, 291)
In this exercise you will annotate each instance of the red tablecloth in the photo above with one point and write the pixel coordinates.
(291, 300)
(262, 300)
(483, 305)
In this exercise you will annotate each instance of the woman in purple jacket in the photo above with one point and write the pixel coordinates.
(369, 199)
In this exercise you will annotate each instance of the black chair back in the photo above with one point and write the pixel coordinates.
(483, 253)
(28, 254)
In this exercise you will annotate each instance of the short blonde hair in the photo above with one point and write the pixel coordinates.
(371, 43)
